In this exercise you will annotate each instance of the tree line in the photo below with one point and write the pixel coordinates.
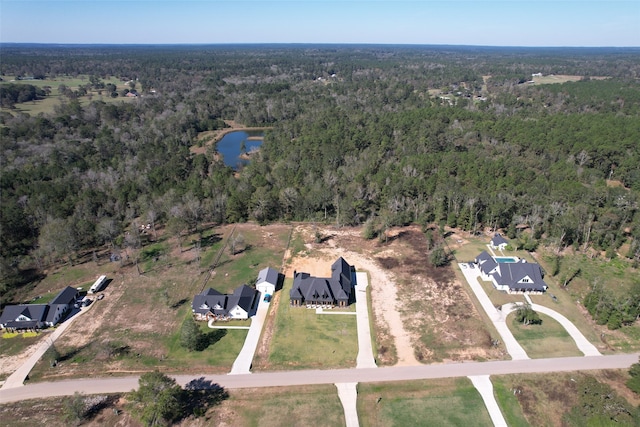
(366, 134)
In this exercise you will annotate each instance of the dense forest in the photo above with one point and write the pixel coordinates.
(377, 135)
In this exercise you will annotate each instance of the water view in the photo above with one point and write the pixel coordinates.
(233, 145)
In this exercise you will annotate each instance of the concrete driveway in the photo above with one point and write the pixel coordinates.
(365, 357)
(242, 364)
(20, 375)
(583, 344)
(497, 316)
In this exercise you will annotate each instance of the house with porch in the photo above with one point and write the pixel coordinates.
(337, 290)
(211, 304)
(39, 316)
(24, 317)
(514, 277)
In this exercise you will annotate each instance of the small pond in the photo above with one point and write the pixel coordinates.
(236, 143)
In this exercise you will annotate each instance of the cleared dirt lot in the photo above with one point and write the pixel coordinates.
(422, 313)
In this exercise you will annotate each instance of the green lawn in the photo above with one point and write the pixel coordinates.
(303, 339)
(446, 402)
(281, 407)
(549, 339)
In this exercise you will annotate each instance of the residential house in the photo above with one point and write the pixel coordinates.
(336, 290)
(498, 242)
(61, 305)
(24, 317)
(267, 281)
(211, 304)
(512, 277)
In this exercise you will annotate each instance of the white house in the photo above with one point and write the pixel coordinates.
(211, 304)
(511, 277)
(267, 281)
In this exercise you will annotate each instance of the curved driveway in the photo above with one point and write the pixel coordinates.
(583, 344)
(294, 378)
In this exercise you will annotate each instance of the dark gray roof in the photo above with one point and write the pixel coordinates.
(33, 314)
(242, 296)
(485, 262)
(268, 275)
(212, 301)
(498, 240)
(512, 274)
(322, 289)
(66, 296)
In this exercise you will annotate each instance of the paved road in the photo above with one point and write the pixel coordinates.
(293, 378)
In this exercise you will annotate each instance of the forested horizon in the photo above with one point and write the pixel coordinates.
(378, 135)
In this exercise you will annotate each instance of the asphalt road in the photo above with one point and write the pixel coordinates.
(292, 378)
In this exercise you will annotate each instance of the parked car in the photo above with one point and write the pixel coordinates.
(100, 297)
(267, 298)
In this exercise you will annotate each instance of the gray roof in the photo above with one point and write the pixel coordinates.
(268, 275)
(511, 274)
(66, 296)
(498, 240)
(485, 262)
(242, 296)
(35, 313)
(212, 301)
(207, 301)
(322, 289)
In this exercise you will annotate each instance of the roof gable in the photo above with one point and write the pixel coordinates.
(66, 296)
(498, 240)
(268, 275)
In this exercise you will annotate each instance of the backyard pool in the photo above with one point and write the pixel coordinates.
(506, 259)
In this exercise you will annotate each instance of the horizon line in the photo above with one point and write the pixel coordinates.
(98, 44)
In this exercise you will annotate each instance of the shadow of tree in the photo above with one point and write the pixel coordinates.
(211, 338)
(107, 402)
(200, 394)
(177, 304)
(209, 241)
(73, 353)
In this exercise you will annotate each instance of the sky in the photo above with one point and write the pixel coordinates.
(454, 22)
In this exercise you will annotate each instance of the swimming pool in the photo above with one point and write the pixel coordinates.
(506, 259)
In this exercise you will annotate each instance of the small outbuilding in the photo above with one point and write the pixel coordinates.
(498, 242)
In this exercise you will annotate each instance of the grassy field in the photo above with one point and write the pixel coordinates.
(446, 402)
(549, 339)
(303, 339)
(264, 407)
(547, 399)
(47, 104)
(275, 407)
(155, 303)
